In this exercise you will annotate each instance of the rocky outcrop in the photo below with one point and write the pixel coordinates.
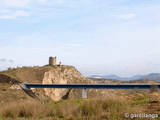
(63, 75)
(7, 79)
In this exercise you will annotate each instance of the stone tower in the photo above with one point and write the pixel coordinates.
(52, 61)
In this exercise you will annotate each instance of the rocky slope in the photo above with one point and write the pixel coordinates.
(50, 75)
(63, 75)
(7, 79)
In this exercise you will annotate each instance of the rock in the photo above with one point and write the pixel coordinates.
(52, 77)
(103, 92)
(63, 75)
(17, 87)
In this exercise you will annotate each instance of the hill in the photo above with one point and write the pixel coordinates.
(46, 74)
(116, 77)
(151, 76)
(112, 81)
(53, 75)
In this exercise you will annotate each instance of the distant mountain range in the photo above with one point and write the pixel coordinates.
(151, 76)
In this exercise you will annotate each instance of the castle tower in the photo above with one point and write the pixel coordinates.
(52, 61)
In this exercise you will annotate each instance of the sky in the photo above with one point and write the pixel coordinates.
(98, 37)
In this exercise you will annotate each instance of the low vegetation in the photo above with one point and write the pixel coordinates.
(139, 103)
(107, 109)
(88, 109)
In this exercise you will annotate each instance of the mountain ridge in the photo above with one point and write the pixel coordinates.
(151, 76)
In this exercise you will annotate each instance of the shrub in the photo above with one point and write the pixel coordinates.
(154, 88)
(140, 103)
(110, 109)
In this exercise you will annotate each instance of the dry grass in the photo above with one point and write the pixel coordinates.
(111, 109)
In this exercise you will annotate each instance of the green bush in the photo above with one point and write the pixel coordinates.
(139, 103)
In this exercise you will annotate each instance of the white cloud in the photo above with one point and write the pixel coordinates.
(5, 11)
(41, 1)
(125, 16)
(51, 2)
(3, 60)
(16, 3)
(9, 14)
(74, 45)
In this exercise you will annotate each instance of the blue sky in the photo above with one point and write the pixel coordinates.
(96, 36)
